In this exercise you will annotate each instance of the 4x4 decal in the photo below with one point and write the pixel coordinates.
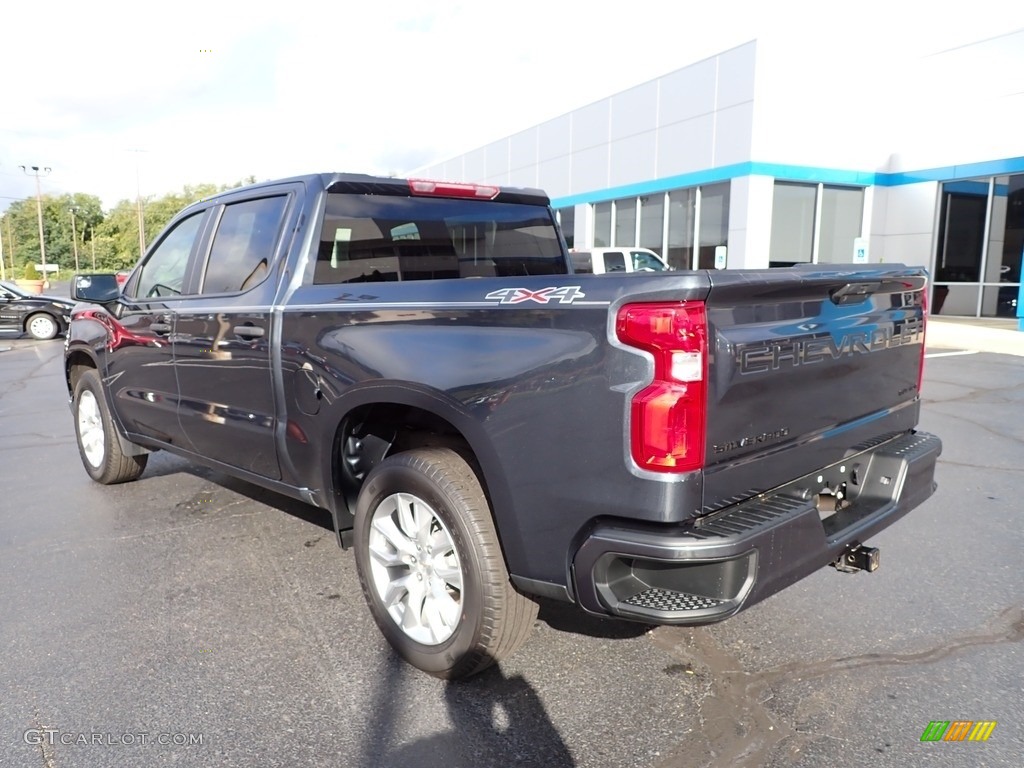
(564, 295)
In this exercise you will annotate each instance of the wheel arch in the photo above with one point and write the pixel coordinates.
(75, 362)
(388, 419)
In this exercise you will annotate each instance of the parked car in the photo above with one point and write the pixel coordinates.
(40, 316)
(598, 261)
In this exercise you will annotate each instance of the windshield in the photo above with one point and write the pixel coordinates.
(9, 290)
(378, 238)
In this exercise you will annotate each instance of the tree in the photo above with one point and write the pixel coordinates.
(20, 228)
(113, 235)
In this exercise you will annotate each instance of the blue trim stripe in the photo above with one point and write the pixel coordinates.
(694, 179)
(953, 172)
(978, 188)
(784, 172)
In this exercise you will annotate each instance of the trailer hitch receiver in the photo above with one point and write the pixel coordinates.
(857, 557)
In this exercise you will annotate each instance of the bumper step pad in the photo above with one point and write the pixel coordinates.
(665, 600)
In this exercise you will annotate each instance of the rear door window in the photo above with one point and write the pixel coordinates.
(243, 245)
(582, 262)
(615, 261)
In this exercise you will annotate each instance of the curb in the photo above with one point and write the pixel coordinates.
(972, 336)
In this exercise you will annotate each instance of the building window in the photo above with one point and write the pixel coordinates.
(714, 222)
(792, 224)
(652, 222)
(814, 223)
(602, 225)
(672, 236)
(842, 209)
(567, 221)
(682, 208)
(625, 221)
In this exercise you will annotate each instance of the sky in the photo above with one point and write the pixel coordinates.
(121, 98)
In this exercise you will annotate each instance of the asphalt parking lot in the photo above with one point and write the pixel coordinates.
(188, 619)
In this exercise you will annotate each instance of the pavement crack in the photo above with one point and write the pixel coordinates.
(45, 747)
(984, 467)
(982, 427)
(23, 379)
(735, 726)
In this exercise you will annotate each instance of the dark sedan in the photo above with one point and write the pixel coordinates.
(41, 317)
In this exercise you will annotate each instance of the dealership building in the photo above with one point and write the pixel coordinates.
(754, 158)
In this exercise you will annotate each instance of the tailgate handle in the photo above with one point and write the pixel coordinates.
(852, 293)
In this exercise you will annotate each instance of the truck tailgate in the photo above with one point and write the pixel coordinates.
(805, 371)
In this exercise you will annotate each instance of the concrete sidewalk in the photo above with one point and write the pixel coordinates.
(978, 334)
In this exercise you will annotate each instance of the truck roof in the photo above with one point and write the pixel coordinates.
(362, 183)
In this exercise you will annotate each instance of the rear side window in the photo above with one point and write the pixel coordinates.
(244, 245)
(614, 262)
(582, 262)
(381, 238)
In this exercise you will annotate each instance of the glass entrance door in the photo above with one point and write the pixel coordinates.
(1005, 248)
(981, 244)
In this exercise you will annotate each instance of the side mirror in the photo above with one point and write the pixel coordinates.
(95, 288)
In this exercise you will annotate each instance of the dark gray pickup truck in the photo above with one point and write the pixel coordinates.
(487, 428)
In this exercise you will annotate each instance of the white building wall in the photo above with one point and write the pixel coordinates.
(965, 105)
(818, 108)
(903, 223)
(750, 222)
(694, 119)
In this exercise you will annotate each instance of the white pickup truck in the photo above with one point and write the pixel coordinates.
(598, 261)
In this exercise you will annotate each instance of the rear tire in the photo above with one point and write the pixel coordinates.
(41, 326)
(98, 444)
(431, 567)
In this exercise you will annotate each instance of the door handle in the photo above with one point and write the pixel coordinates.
(248, 331)
(160, 329)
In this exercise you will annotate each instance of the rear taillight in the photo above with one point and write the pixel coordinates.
(924, 330)
(452, 189)
(667, 418)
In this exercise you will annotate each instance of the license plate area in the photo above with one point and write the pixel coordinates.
(832, 489)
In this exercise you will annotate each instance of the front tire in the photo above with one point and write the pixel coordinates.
(97, 442)
(41, 326)
(431, 568)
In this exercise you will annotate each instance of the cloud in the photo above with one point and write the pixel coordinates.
(217, 91)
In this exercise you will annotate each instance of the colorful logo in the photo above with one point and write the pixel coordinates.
(958, 730)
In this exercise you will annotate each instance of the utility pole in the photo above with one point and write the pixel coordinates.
(74, 235)
(138, 204)
(92, 241)
(39, 211)
(10, 245)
